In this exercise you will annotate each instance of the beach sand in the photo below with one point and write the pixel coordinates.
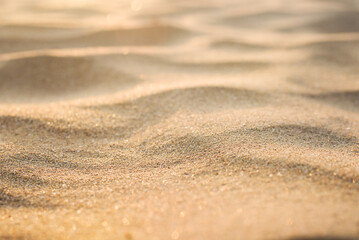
(182, 119)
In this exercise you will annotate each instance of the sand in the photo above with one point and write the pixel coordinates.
(182, 119)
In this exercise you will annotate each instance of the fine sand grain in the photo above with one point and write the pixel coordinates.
(181, 119)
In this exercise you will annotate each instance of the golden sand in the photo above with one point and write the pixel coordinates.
(179, 119)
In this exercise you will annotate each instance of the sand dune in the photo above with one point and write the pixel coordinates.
(179, 119)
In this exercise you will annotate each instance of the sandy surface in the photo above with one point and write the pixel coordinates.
(179, 119)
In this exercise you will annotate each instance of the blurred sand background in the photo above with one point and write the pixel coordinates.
(159, 119)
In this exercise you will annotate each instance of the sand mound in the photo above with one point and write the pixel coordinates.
(324, 22)
(23, 32)
(337, 22)
(315, 137)
(303, 135)
(197, 99)
(47, 76)
(348, 100)
(257, 19)
(146, 111)
(275, 19)
(235, 45)
(150, 35)
(152, 64)
(47, 130)
(142, 36)
(343, 54)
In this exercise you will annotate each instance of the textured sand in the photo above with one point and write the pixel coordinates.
(179, 119)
